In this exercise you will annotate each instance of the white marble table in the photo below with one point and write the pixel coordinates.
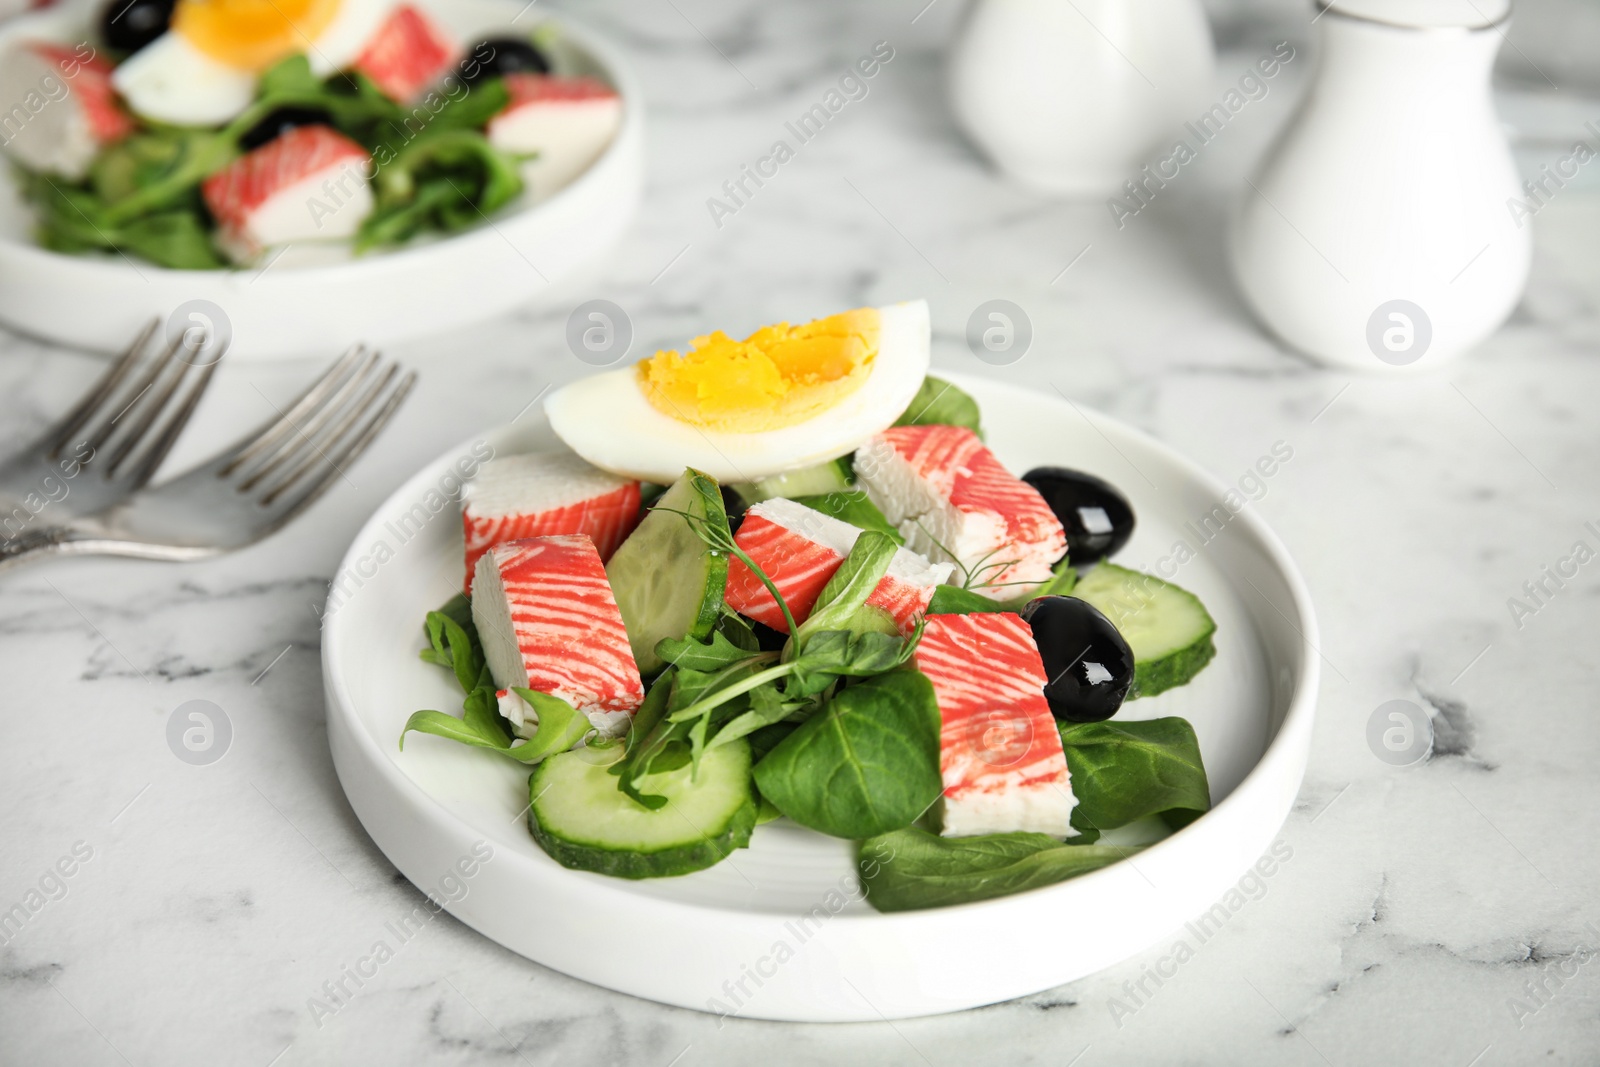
(1419, 902)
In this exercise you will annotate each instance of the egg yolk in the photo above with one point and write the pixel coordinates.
(252, 34)
(776, 377)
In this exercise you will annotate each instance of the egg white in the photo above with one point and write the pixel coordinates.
(170, 80)
(341, 43)
(606, 419)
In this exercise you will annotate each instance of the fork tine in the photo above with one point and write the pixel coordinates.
(153, 374)
(168, 435)
(330, 437)
(306, 433)
(150, 409)
(314, 396)
(353, 448)
(74, 420)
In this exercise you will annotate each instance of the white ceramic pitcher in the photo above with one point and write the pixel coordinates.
(1378, 231)
(1073, 97)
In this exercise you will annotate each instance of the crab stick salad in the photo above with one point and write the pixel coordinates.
(786, 578)
(201, 133)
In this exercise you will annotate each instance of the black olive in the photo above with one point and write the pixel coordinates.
(1099, 520)
(129, 25)
(733, 504)
(1088, 667)
(280, 121)
(502, 55)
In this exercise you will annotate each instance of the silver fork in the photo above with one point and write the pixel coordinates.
(111, 443)
(248, 491)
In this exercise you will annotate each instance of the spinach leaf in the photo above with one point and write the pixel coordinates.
(289, 76)
(839, 653)
(839, 605)
(867, 763)
(1122, 771)
(852, 506)
(938, 403)
(767, 738)
(954, 600)
(910, 869)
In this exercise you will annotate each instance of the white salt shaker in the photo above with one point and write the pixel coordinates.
(1380, 231)
(1074, 97)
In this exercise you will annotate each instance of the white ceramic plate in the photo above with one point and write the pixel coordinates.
(679, 940)
(295, 309)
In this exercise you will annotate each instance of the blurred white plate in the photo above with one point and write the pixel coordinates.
(296, 306)
(679, 940)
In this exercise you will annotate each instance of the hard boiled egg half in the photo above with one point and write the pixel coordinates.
(783, 398)
(202, 72)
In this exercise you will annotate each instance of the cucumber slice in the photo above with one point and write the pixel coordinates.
(829, 477)
(667, 582)
(1167, 628)
(580, 817)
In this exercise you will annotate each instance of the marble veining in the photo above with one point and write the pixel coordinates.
(1440, 913)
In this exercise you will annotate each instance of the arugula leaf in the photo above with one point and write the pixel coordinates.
(196, 155)
(175, 239)
(73, 219)
(1122, 771)
(938, 403)
(482, 714)
(910, 869)
(680, 732)
(560, 727)
(648, 715)
(441, 725)
(853, 506)
(455, 644)
(447, 179)
(648, 737)
(954, 600)
(459, 608)
(738, 631)
(712, 655)
(767, 708)
(473, 111)
(1063, 579)
(867, 763)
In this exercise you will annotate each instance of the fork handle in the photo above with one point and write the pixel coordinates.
(34, 544)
